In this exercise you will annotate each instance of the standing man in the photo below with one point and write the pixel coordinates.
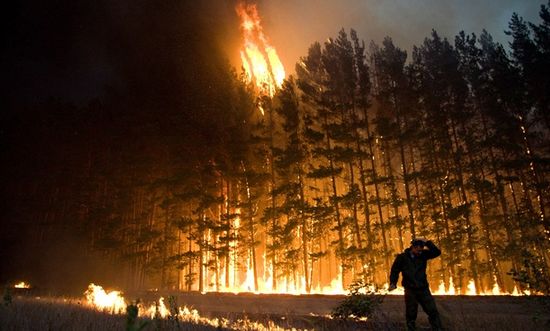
(412, 264)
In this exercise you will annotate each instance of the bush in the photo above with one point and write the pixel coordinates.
(132, 321)
(361, 302)
(7, 297)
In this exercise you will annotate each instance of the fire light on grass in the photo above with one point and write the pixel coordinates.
(113, 302)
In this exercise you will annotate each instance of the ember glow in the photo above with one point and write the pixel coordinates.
(259, 58)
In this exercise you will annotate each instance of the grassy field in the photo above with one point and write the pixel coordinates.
(276, 312)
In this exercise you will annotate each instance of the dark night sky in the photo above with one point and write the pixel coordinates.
(57, 49)
(73, 49)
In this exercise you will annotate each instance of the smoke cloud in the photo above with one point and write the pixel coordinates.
(294, 25)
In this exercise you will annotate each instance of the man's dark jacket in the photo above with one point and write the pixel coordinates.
(413, 269)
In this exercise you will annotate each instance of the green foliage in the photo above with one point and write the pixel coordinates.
(361, 302)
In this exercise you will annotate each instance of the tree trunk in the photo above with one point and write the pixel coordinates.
(273, 202)
(341, 244)
(366, 211)
(464, 201)
(406, 179)
(377, 194)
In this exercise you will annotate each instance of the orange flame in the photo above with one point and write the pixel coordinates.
(113, 301)
(22, 285)
(470, 290)
(259, 59)
(246, 285)
(98, 298)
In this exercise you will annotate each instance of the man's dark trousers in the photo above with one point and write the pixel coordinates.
(421, 296)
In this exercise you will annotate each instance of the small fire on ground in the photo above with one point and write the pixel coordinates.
(22, 285)
(113, 302)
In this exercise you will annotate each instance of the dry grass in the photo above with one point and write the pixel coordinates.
(65, 314)
(279, 312)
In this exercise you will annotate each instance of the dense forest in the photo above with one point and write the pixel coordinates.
(175, 180)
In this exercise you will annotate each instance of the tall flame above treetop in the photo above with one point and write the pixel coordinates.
(260, 60)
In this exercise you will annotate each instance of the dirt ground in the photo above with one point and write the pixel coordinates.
(458, 312)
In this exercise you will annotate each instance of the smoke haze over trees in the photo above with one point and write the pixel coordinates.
(169, 176)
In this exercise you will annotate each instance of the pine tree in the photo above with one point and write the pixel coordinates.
(313, 82)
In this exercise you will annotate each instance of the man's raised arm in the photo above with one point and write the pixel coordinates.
(432, 252)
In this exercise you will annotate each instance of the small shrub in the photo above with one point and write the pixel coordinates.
(132, 322)
(362, 301)
(7, 297)
(174, 310)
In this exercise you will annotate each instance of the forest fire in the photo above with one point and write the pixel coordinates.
(140, 158)
(311, 237)
(259, 58)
